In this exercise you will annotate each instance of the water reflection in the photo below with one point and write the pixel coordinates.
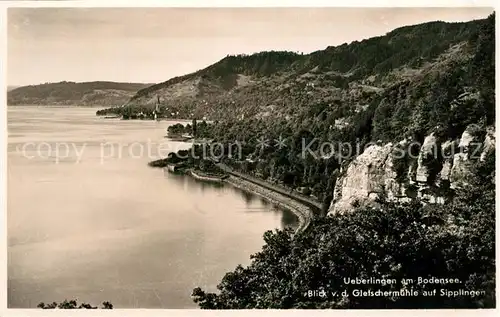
(118, 230)
(247, 196)
(189, 184)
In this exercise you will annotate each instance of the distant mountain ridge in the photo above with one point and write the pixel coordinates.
(9, 88)
(95, 93)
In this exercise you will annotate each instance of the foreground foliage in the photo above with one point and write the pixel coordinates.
(393, 242)
(73, 304)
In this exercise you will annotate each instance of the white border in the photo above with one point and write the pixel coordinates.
(251, 3)
(202, 3)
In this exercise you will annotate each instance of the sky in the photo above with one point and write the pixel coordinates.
(151, 45)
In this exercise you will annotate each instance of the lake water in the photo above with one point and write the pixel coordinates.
(89, 220)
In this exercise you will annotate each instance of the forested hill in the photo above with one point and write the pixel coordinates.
(336, 82)
(426, 91)
(97, 93)
(433, 78)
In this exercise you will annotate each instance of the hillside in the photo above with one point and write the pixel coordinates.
(434, 79)
(98, 93)
(336, 82)
(407, 178)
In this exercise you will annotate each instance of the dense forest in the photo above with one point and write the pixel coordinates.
(397, 241)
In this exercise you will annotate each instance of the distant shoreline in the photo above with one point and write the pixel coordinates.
(55, 106)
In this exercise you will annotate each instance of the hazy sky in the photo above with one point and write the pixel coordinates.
(155, 44)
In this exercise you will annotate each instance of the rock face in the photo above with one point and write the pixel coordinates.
(437, 168)
(489, 143)
(469, 149)
(447, 150)
(367, 177)
(427, 153)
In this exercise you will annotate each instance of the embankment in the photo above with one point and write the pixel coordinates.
(303, 207)
(309, 202)
(200, 176)
(302, 211)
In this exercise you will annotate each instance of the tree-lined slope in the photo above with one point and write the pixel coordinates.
(335, 82)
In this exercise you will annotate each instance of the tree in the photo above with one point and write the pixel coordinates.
(73, 304)
(395, 241)
(193, 129)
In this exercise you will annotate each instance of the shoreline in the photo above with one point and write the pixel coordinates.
(303, 212)
(55, 106)
(302, 208)
(207, 178)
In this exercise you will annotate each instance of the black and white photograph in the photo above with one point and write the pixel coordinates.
(242, 157)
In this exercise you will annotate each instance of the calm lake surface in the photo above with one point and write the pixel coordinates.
(93, 222)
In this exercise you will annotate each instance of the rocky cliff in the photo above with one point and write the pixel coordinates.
(440, 165)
